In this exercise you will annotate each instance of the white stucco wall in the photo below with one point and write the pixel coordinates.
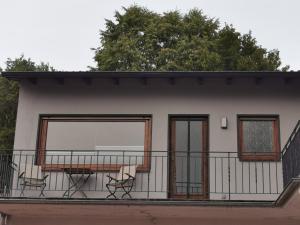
(161, 99)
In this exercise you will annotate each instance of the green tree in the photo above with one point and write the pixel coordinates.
(142, 40)
(9, 97)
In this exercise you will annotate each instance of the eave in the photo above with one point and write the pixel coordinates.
(149, 74)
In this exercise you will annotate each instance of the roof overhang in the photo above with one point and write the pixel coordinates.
(172, 77)
(147, 74)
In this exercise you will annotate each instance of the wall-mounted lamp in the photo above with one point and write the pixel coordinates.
(224, 123)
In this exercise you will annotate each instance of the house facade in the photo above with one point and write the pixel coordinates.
(198, 142)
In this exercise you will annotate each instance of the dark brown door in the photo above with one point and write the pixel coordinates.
(188, 158)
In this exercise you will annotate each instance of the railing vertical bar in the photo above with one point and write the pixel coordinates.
(155, 157)
(90, 167)
(25, 164)
(7, 164)
(142, 180)
(148, 184)
(102, 183)
(6, 174)
(222, 174)
(109, 165)
(63, 173)
(235, 181)
(31, 169)
(215, 174)
(242, 177)
(255, 168)
(69, 181)
(195, 168)
(31, 172)
(56, 172)
(3, 164)
(162, 173)
(270, 190)
(136, 162)
(86, 166)
(228, 161)
(12, 174)
(5, 170)
(276, 164)
(97, 168)
(263, 176)
(249, 170)
(50, 172)
(3, 173)
(20, 161)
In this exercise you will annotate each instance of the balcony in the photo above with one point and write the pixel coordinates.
(160, 176)
(184, 177)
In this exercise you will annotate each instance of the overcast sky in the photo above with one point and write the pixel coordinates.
(62, 32)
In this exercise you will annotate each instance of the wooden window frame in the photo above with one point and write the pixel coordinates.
(42, 140)
(248, 156)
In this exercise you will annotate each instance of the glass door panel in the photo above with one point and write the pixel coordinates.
(195, 157)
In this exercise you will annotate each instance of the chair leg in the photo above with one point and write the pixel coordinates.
(111, 192)
(127, 192)
(22, 190)
(42, 190)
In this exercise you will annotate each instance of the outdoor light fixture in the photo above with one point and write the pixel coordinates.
(224, 123)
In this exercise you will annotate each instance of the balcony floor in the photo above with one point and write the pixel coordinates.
(113, 212)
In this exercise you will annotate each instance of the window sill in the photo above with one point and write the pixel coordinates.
(260, 157)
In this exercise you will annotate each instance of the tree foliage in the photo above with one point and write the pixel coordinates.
(9, 97)
(142, 40)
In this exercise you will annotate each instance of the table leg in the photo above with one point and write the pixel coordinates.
(73, 184)
(78, 186)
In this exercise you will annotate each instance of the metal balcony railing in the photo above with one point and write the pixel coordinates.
(159, 175)
(291, 157)
(6, 173)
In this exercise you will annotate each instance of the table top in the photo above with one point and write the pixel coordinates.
(76, 170)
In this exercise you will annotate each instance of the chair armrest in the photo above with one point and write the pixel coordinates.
(21, 174)
(45, 177)
(111, 178)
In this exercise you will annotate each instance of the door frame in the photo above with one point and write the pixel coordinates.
(205, 164)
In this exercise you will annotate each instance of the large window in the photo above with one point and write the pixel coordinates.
(258, 138)
(100, 143)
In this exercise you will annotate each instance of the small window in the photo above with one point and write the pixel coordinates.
(258, 138)
(97, 142)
